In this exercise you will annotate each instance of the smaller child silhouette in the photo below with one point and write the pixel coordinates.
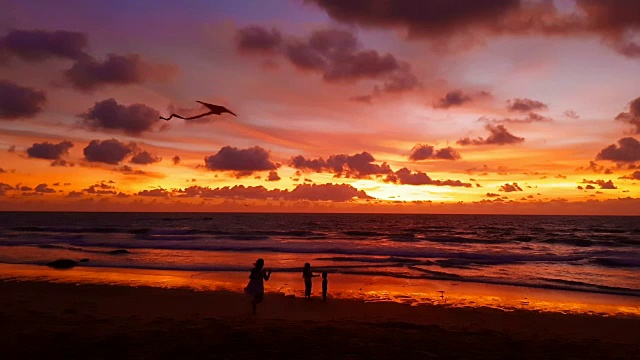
(325, 283)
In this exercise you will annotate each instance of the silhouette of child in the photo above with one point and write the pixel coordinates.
(255, 287)
(307, 274)
(325, 283)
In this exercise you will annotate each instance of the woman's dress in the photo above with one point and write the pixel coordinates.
(256, 284)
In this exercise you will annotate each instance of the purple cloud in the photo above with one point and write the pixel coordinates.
(499, 136)
(356, 166)
(632, 117)
(49, 151)
(44, 189)
(525, 105)
(510, 187)
(273, 176)
(425, 152)
(405, 176)
(145, 158)
(109, 151)
(310, 192)
(129, 119)
(627, 151)
(39, 45)
(257, 38)
(18, 102)
(242, 161)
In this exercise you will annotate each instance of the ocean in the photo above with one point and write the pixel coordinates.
(578, 253)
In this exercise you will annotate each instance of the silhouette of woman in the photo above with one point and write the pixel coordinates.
(255, 287)
(307, 274)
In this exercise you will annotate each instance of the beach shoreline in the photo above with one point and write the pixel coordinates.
(414, 292)
(63, 320)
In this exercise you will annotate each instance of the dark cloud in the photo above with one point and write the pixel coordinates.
(128, 170)
(492, 195)
(510, 187)
(334, 53)
(405, 176)
(88, 74)
(590, 187)
(62, 163)
(310, 192)
(4, 188)
(2, 171)
(145, 158)
(437, 20)
(424, 152)
(356, 166)
(632, 117)
(458, 98)
(11, 149)
(634, 176)
(24, 188)
(452, 99)
(176, 160)
(421, 17)
(19, 102)
(273, 176)
(326, 192)
(154, 193)
(49, 151)
(257, 38)
(499, 136)
(101, 189)
(525, 105)
(531, 118)
(242, 161)
(75, 194)
(109, 151)
(130, 119)
(627, 151)
(401, 80)
(571, 114)
(447, 153)
(39, 45)
(615, 20)
(44, 189)
(607, 185)
(593, 166)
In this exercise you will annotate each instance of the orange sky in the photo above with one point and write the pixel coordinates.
(527, 107)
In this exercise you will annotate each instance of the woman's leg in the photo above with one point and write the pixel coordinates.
(256, 300)
(307, 289)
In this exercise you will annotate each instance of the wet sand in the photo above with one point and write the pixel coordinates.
(67, 321)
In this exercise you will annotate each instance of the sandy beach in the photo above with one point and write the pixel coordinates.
(68, 321)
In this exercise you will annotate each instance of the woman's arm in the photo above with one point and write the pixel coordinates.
(267, 275)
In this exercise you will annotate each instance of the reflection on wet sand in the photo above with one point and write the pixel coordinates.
(363, 288)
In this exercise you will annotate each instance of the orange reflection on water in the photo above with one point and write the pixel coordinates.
(363, 288)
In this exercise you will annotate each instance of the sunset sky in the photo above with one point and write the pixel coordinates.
(427, 106)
